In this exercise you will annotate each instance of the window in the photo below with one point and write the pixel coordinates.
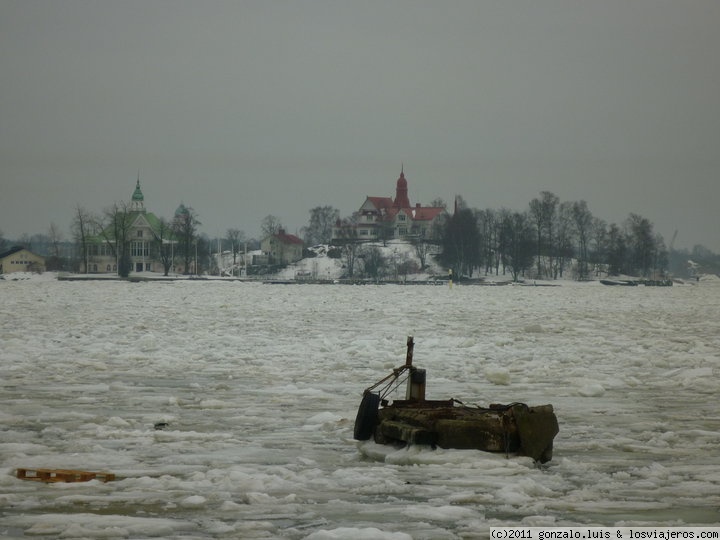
(139, 249)
(402, 231)
(401, 217)
(139, 233)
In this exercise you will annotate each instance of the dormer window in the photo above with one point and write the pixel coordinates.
(401, 217)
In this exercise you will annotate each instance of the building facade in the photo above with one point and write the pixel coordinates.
(282, 248)
(145, 238)
(385, 218)
(19, 259)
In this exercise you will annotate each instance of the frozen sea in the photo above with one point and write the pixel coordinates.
(259, 387)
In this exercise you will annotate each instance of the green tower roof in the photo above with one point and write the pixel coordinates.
(137, 194)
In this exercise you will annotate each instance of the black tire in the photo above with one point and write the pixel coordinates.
(367, 417)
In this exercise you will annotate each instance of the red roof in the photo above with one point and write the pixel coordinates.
(389, 208)
(381, 202)
(426, 213)
(419, 213)
(287, 238)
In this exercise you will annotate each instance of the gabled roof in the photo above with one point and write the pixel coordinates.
(380, 202)
(285, 238)
(419, 213)
(426, 213)
(389, 208)
(151, 219)
(137, 219)
(11, 251)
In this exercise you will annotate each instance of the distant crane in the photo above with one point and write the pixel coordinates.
(672, 243)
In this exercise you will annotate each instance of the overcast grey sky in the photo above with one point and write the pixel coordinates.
(242, 109)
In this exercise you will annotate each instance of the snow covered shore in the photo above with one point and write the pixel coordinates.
(259, 386)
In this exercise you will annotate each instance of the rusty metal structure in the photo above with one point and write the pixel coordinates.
(516, 428)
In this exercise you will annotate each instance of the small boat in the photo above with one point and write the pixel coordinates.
(516, 428)
(621, 282)
(635, 283)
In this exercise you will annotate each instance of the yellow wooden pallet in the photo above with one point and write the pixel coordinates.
(63, 475)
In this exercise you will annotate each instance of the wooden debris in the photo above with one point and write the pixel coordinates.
(62, 475)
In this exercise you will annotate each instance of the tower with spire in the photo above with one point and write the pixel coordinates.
(401, 191)
(384, 218)
(137, 202)
(145, 236)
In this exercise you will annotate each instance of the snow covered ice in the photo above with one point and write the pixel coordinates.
(259, 386)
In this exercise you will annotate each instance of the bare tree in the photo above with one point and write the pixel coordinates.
(386, 229)
(82, 228)
(402, 265)
(184, 228)
(55, 238)
(422, 250)
(349, 243)
(542, 212)
(599, 235)
(641, 242)
(583, 221)
(116, 233)
(487, 223)
(320, 228)
(270, 225)
(166, 244)
(373, 262)
(461, 243)
(25, 240)
(518, 246)
(504, 228)
(616, 250)
(562, 247)
(662, 258)
(236, 237)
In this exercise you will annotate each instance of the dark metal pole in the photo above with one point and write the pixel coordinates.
(409, 357)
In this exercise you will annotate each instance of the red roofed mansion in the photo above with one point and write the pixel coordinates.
(384, 218)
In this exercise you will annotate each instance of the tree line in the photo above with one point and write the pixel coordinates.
(547, 240)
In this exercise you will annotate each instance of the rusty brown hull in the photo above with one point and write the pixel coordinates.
(511, 429)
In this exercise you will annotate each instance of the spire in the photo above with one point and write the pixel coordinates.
(401, 191)
(137, 203)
